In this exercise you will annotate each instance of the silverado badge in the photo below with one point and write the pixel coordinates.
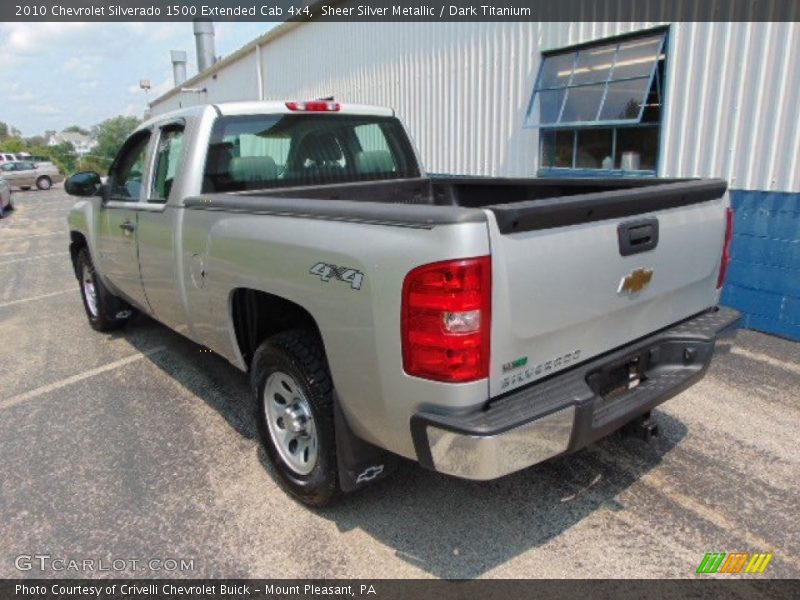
(635, 281)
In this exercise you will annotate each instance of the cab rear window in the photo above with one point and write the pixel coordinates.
(255, 152)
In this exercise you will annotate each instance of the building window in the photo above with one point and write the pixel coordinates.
(598, 107)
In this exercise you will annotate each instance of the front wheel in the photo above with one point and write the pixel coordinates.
(294, 400)
(44, 183)
(104, 310)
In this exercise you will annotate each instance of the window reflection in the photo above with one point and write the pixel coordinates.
(599, 106)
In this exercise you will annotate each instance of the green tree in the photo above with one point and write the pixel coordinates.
(111, 133)
(36, 140)
(62, 155)
(76, 129)
(14, 144)
(8, 131)
(93, 163)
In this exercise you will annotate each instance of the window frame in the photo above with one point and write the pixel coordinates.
(150, 199)
(111, 184)
(658, 77)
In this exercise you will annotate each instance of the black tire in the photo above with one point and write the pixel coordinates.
(300, 354)
(44, 183)
(109, 312)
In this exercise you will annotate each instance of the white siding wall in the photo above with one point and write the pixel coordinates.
(236, 81)
(732, 104)
(463, 89)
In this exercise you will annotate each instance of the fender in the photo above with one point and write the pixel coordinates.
(81, 219)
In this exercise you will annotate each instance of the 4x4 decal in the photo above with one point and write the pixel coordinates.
(326, 272)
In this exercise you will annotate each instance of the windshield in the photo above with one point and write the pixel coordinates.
(254, 152)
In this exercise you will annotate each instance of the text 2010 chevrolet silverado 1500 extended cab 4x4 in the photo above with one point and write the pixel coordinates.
(475, 325)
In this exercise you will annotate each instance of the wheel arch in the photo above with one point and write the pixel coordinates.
(256, 315)
(77, 242)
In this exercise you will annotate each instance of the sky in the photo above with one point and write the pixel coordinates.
(53, 75)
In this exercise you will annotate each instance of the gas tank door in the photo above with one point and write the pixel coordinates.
(197, 270)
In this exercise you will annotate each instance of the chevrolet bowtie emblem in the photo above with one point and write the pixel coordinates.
(635, 281)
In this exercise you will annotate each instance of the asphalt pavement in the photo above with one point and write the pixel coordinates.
(138, 446)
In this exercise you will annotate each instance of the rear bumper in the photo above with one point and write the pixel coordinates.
(567, 411)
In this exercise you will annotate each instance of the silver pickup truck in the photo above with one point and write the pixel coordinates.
(475, 325)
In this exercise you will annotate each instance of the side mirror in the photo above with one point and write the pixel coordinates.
(83, 183)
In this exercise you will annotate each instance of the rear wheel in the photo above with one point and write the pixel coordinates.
(44, 183)
(294, 399)
(104, 310)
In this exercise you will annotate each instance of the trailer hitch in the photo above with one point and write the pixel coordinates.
(643, 427)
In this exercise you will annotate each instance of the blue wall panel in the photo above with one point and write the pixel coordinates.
(764, 276)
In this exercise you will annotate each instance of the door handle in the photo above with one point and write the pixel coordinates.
(127, 227)
(637, 236)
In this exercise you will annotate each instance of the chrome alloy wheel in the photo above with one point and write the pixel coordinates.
(89, 291)
(290, 422)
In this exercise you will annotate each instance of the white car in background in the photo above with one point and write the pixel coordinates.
(25, 174)
(6, 203)
(34, 158)
(6, 157)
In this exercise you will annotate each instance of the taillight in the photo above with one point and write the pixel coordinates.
(726, 248)
(314, 106)
(446, 314)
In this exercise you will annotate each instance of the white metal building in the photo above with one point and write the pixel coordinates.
(715, 99)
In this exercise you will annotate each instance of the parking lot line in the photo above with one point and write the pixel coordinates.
(32, 394)
(40, 297)
(32, 219)
(16, 260)
(715, 517)
(658, 483)
(34, 235)
(765, 358)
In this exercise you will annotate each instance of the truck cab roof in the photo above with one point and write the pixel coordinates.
(287, 107)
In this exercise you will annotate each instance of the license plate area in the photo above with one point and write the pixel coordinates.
(619, 377)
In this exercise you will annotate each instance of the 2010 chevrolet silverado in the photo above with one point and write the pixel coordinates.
(475, 325)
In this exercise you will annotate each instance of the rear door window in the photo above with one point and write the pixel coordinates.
(267, 151)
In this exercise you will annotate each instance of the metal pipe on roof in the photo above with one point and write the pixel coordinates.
(178, 66)
(204, 43)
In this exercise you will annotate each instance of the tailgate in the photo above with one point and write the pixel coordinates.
(578, 276)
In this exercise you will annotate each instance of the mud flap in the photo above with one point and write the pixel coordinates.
(360, 463)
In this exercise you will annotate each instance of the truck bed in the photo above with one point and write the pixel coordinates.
(518, 204)
(562, 250)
